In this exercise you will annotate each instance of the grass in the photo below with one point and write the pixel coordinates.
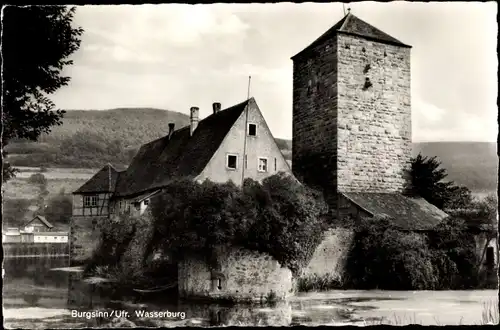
(316, 282)
(490, 313)
(490, 316)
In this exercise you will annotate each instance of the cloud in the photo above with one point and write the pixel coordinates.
(431, 123)
(175, 56)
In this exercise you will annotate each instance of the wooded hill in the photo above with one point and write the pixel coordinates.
(91, 138)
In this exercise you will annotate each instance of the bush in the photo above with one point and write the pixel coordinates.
(389, 259)
(315, 282)
(59, 209)
(38, 179)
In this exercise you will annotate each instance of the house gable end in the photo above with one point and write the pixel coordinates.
(248, 149)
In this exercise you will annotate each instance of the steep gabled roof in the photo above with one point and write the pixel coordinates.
(164, 159)
(352, 25)
(407, 213)
(103, 181)
(42, 220)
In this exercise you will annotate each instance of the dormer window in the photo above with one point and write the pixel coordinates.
(252, 129)
(146, 202)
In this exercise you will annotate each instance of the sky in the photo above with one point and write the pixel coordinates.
(177, 56)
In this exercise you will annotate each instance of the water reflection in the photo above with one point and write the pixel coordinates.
(38, 292)
(30, 282)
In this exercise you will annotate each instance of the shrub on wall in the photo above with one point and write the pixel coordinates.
(279, 216)
(135, 253)
(115, 236)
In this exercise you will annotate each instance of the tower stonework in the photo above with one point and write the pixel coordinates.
(352, 111)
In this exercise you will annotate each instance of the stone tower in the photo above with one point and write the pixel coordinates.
(351, 111)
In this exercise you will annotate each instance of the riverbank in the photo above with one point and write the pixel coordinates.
(30, 250)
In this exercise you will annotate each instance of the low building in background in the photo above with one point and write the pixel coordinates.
(37, 230)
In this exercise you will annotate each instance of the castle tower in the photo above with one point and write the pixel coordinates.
(351, 111)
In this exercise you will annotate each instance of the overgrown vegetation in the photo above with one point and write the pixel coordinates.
(123, 256)
(279, 216)
(386, 258)
(315, 282)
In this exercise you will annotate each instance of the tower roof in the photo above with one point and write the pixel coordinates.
(352, 25)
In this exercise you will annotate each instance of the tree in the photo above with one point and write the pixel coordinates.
(428, 182)
(14, 211)
(37, 42)
(459, 198)
(38, 179)
(59, 209)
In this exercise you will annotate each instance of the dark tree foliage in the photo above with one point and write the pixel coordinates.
(38, 179)
(37, 42)
(428, 181)
(386, 258)
(14, 211)
(59, 209)
(279, 216)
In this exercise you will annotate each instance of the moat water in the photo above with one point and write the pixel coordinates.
(46, 293)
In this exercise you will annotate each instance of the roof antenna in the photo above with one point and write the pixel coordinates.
(248, 91)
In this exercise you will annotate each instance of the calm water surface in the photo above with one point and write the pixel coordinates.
(44, 292)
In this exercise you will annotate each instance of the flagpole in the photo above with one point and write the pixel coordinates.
(244, 160)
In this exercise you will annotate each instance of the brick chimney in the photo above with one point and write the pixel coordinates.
(171, 127)
(216, 107)
(194, 119)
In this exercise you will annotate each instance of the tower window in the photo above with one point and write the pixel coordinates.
(252, 129)
(219, 284)
(232, 161)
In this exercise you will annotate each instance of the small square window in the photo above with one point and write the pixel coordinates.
(146, 202)
(262, 164)
(232, 161)
(252, 129)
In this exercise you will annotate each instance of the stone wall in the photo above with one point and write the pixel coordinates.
(374, 115)
(314, 144)
(330, 256)
(236, 274)
(84, 237)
